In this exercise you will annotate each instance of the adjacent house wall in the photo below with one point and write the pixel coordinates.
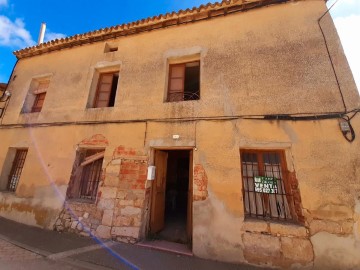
(270, 60)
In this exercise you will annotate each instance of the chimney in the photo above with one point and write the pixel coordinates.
(42, 33)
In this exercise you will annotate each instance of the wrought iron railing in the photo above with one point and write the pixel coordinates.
(182, 96)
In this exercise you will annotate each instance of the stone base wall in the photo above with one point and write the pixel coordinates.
(118, 210)
(275, 244)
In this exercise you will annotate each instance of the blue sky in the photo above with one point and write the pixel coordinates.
(20, 22)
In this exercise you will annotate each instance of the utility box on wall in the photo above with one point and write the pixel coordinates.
(151, 173)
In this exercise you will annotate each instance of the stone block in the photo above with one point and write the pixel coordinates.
(324, 226)
(79, 226)
(74, 224)
(126, 202)
(288, 229)
(108, 192)
(103, 231)
(106, 204)
(113, 169)
(121, 194)
(347, 227)
(116, 162)
(255, 226)
(67, 224)
(333, 212)
(111, 180)
(123, 221)
(139, 203)
(107, 218)
(125, 231)
(261, 245)
(130, 211)
(297, 249)
(131, 196)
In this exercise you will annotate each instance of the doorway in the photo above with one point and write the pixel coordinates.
(171, 205)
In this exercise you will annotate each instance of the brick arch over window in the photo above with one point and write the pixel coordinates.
(97, 139)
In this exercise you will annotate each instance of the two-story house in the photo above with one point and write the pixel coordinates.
(229, 127)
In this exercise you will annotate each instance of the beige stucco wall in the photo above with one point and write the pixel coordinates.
(267, 60)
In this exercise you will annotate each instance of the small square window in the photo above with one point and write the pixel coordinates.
(184, 82)
(106, 90)
(16, 169)
(267, 193)
(86, 174)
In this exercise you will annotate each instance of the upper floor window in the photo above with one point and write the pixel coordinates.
(106, 90)
(184, 81)
(266, 190)
(36, 96)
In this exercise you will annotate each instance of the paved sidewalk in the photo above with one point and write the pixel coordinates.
(31, 248)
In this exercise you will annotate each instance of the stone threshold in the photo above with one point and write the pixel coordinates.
(173, 247)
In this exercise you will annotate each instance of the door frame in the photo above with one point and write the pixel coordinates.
(191, 150)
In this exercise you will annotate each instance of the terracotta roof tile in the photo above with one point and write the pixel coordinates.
(152, 23)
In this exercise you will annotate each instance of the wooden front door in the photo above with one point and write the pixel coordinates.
(157, 217)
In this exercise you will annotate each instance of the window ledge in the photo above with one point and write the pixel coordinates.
(274, 227)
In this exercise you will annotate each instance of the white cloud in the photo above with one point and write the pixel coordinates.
(347, 27)
(14, 34)
(51, 36)
(3, 3)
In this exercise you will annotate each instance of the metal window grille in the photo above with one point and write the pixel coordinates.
(16, 169)
(90, 179)
(266, 192)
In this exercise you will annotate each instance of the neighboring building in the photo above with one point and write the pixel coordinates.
(236, 104)
(3, 98)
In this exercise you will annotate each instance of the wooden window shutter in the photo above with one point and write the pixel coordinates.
(176, 82)
(38, 103)
(104, 90)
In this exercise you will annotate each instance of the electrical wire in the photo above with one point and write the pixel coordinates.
(329, 55)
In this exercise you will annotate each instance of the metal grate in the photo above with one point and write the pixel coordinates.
(90, 179)
(173, 97)
(265, 190)
(16, 169)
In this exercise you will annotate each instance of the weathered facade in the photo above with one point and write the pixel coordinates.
(270, 178)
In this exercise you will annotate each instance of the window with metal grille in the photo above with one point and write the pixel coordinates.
(184, 82)
(86, 174)
(106, 90)
(16, 169)
(266, 190)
